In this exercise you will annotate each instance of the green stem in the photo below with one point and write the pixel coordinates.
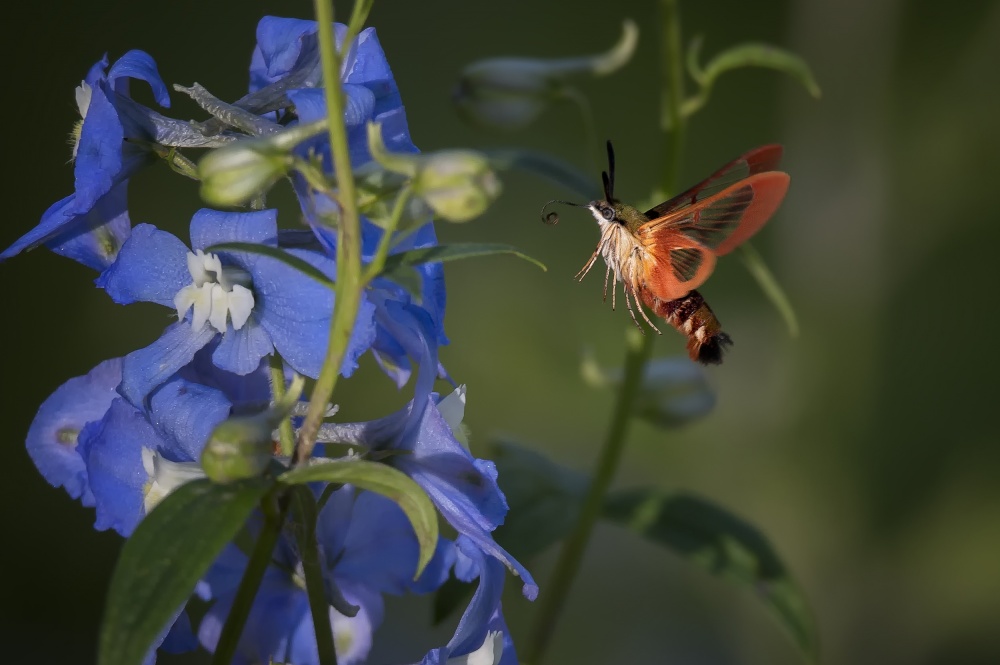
(305, 509)
(257, 565)
(557, 589)
(286, 434)
(348, 238)
(378, 261)
(639, 349)
(673, 93)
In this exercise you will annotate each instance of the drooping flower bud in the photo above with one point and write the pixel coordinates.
(457, 185)
(509, 93)
(674, 391)
(242, 446)
(243, 170)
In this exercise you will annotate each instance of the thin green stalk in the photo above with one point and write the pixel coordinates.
(286, 435)
(557, 589)
(639, 350)
(305, 508)
(260, 558)
(378, 261)
(673, 92)
(348, 238)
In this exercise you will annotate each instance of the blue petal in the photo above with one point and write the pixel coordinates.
(295, 310)
(241, 351)
(145, 369)
(378, 548)
(180, 638)
(151, 267)
(99, 152)
(279, 43)
(138, 65)
(243, 391)
(59, 215)
(54, 433)
(210, 227)
(463, 489)
(96, 71)
(279, 608)
(113, 451)
(95, 237)
(185, 414)
(366, 65)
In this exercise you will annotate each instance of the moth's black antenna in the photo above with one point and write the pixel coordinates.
(609, 177)
(553, 217)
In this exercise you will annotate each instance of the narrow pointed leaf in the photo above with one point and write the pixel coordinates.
(383, 480)
(769, 285)
(277, 254)
(160, 564)
(721, 543)
(441, 253)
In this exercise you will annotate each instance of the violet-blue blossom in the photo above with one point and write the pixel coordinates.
(254, 305)
(91, 224)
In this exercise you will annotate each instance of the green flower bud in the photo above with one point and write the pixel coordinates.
(509, 93)
(457, 185)
(243, 447)
(239, 448)
(243, 170)
(237, 173)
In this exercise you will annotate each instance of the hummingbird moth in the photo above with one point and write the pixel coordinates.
(663, 255)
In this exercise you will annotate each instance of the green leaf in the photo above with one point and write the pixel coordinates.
(549, 167)
(544, 499)
(278, 254)
(723, 544)
(401, 262)
(751, 54)
(770, 286)
(383, 480)
(160, 564)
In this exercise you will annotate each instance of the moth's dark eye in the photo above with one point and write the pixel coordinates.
(608, 213)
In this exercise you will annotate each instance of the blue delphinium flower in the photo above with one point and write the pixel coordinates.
(367, 547)
(372, 96)
(90, 225)
(463, 488)
(135, 458)
(54, 434)
(255, 305)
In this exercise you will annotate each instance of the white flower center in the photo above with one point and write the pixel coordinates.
(488, 654)
(83, 94)
(217, 292)
(165, 476)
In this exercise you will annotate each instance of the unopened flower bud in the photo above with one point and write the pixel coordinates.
(242, 447)
(239, 448)
(509, 93)
(239, 172)
(674, 392)
(458, 185)
(243, 170)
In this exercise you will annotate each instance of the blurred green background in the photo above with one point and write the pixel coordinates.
(867, 448)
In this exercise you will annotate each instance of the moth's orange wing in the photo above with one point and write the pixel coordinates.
(724, 220)
(758, 160)
(675, 265)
